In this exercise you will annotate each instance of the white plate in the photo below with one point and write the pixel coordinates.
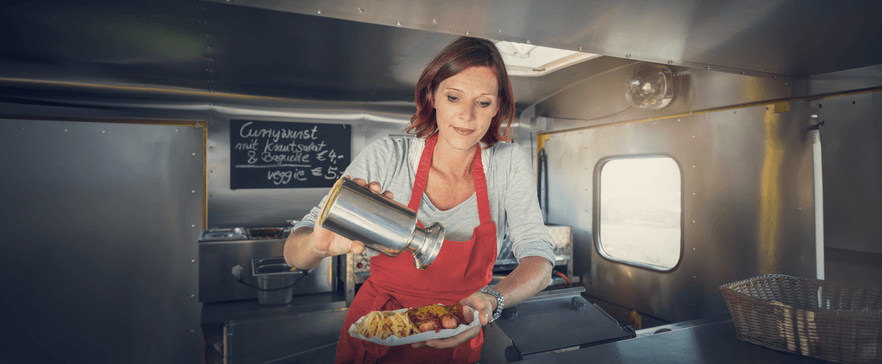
(423, 336)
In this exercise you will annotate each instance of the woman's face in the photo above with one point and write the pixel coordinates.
(464, 106)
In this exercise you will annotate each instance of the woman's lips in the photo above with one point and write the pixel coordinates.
(463, 131)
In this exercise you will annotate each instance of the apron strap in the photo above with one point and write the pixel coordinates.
(481, 187)
(422, 174)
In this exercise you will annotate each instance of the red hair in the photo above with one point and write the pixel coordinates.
(462, 53)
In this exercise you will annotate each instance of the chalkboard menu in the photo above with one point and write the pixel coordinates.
(267, 154)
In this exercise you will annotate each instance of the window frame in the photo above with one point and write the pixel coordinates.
(598, 247)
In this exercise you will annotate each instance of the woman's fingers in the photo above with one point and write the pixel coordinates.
(356, 247)
(374, 186)
(454, 341)
(480, 302)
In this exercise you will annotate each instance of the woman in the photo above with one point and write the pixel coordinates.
(453, 172)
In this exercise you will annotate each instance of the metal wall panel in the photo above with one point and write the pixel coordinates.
(747, 204)
(851, 139)
(100, 223)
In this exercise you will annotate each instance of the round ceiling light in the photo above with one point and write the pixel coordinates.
(650, 87)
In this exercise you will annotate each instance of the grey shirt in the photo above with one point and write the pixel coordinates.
(393, 161)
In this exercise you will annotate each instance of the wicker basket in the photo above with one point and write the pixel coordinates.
(811, 317)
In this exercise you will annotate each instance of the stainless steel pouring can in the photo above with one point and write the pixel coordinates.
(356, 213)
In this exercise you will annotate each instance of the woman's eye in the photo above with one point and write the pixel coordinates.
(484, 103)
(452, 98)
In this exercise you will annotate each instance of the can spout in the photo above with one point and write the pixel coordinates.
(426, 245)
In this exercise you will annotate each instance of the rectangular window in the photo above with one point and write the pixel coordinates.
(639, 211)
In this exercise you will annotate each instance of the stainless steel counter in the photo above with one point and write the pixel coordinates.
(303, 331)
(713, 342)
(250, 309)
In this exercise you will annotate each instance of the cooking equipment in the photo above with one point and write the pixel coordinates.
(221, 249)
(357, 213)
(275, 280)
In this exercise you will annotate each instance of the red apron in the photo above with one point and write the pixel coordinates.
(461, 268)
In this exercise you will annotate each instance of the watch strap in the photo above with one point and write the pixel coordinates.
(500, 301)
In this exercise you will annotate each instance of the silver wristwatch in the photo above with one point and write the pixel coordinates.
(500, 302)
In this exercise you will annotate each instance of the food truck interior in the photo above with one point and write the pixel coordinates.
(678, 146)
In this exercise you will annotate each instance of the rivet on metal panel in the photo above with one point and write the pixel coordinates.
(434, 21)
(103, 131)
(194, 154)
(319, 12)
(528, 41)
(210, 171)
(499, 31)
(192, 226)
(693, 221)
(192, 260)
(693, 277)
(192, 191)
(192, 295)
(628, 55)
(735, 112)
(693, 249)
(708, 67)
(800, 208)
(678, 120)
(468, 32)
(360, 10)
(177, 130)
(65, 130)
(398, 24)
(580, 48)
(693, 166)
(742, 72)
(693, 193)
(705, 116)
(782, 106)
(670, 62)
(192, 331)
(693, 137)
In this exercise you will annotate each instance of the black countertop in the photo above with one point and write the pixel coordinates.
(713, 342)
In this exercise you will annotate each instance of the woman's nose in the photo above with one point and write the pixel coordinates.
(467, 112)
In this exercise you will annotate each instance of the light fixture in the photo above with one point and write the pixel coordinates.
(650, 87)
(522, 59)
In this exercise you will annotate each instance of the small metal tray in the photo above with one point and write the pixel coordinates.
(272, 266)
(223, 234)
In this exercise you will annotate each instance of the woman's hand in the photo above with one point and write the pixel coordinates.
(328, 243)
(484, 304)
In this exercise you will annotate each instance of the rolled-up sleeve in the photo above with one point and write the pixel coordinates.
(529, 235)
